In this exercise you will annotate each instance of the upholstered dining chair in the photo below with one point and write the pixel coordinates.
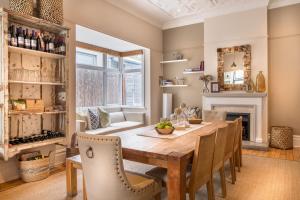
(229, 148)
(213, 115)
(201, 170)
(219, 153)
(104, 173)
(238, 144)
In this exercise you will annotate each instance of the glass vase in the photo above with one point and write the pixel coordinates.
(260, 82)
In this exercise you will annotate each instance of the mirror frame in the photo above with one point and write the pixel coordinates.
(247, 66)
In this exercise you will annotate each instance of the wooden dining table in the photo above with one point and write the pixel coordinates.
(172, 154)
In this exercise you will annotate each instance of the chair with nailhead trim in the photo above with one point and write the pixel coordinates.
(105, 177)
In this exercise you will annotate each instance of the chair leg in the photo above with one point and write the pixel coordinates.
(237, 160)
(223, 182)
(209, 186)
(158, 196)
(232, 169)
(192, 195)
(84, 188)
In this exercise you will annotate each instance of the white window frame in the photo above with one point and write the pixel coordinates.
(122, 72)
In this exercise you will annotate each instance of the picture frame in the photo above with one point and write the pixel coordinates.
(214, 87)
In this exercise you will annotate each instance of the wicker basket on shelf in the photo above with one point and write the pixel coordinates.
(281, 137)
(24, 7)
(51, 10)
(35, 170)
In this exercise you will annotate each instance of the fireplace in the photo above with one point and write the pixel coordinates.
(245, 122)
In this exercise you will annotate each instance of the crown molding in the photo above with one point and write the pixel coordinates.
(281, 3)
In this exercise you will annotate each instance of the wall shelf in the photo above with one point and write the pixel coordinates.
(173, 86)
(193, 72)
(173, 61)
(36, 113)
(35, 83)
(34, 52)
(15, 149)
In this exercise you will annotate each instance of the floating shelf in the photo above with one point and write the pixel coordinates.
(35, 83)
(36, 113)
(15, 149)
(173, 86)
(193, 72)
(34, 52)
(173, 61)
(34, 22)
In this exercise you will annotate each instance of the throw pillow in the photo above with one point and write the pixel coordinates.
(104, 118)
(93, 120)
(83, 118)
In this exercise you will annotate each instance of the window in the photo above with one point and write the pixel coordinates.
(103, 79)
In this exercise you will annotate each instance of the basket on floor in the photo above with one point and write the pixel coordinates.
(51, 10)
(34, 170)
(24, 7)
(281, 137)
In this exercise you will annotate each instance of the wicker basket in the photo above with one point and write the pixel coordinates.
(51, 10)
(34, 170)
(24, 7)
(281, 137)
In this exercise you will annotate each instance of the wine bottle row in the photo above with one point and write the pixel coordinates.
(39, 41)
(45, 135)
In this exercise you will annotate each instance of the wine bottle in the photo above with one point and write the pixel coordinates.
(51, 45)
(9, 35)
(33, 43)
(39, 42)
(46, 42)
(63, 47)
(14, 39)
(20, 37)
(42, 46)
(27, 39)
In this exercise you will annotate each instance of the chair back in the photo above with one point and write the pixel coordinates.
(213, 115)
(220, 145)
(203, 160)
(230, 138)
(103, 167)
(238, 134)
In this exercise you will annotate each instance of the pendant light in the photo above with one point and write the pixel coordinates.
(233, 65)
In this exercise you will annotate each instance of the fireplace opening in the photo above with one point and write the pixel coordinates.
(246, 123)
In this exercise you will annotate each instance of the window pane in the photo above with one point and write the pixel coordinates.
(133, 89)
(89, 87)
(133, 62)
(85, 58)
(112, 62)
(114, 92)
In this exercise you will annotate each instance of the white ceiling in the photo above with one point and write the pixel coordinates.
(92, 37)
(167, 14)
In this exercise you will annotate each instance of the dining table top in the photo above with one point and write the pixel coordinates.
(160, 148)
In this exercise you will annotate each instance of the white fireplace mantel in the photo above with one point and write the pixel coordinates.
(241, 102)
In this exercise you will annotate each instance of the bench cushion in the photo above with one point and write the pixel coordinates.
(115, 127)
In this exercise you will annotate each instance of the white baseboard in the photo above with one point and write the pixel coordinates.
(296, 140)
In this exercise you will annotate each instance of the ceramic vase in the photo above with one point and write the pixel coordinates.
(260, 82)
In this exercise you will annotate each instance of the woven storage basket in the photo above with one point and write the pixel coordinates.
(281, 137)
(24, 7)
(52, 11)
(34, 170)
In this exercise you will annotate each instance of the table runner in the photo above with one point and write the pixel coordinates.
(176, 133)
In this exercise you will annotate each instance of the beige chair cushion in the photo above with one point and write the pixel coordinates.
(116, 117)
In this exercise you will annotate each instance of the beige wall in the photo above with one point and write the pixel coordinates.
(249, 27)
(187, 40)
(284, 68)
(106, 18)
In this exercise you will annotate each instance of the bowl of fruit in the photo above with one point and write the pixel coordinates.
(164, 128)
(195, 120)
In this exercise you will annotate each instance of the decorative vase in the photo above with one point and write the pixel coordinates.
(260, 82)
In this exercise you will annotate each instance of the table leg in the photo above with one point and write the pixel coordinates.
(71, 175)
(176, 183)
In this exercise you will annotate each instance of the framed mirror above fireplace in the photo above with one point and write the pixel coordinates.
(234, 67)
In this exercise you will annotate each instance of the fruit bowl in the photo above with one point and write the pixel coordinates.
(165, 131)
(195, 121)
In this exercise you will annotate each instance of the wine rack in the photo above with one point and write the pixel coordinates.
(32, 75)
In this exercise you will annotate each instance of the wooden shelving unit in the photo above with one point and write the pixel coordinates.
(31, 75)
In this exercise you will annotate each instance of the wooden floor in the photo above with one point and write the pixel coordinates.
(293, 154)
(267, 175)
